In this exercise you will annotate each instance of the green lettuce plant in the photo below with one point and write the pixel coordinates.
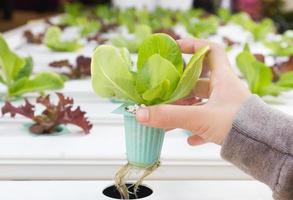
(259, 30)
(282, 46)
(15, 74)
(53, 41)
(224, 14)
(159, 76)
(260, 77)
(72, 12)
(133, 44)
(202, 28)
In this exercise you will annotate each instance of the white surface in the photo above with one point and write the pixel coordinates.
(98, 155)
(175, 4)
(162, 190)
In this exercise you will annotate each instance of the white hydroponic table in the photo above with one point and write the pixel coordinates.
(98, 155)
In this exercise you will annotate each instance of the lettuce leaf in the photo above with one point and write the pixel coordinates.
(260, 77)
(163, 45)
(141, 32)
(53, 41)
(15, 73)
(202, 28)
(159, 77)
(41, 82)
(259, 30)
(282, 46)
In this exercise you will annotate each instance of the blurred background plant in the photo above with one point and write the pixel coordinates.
(16, 12)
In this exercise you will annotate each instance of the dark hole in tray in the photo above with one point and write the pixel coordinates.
(142, 192)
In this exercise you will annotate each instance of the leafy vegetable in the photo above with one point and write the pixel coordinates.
(224, 14)
(80, 70)
(53, 41)
(33, 38)
(133, 44)
(282, 46)
(259, 30)
(204, 27)
(88, 27)
(72, 12)
(159, 77)
(15, 74)
(260, 77)
(52, 116)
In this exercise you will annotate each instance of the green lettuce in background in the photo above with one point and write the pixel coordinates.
(260, 77)
(15, 74)
(282, 46)
(53, 41)
(133, 44)
(159, 77)
(259, 30)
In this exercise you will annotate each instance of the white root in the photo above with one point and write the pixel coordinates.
(125, 171)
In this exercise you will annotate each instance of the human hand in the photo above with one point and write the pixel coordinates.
(209, 122)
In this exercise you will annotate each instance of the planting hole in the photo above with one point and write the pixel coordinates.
(142, 192)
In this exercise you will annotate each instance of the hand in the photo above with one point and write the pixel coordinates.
(209, 122)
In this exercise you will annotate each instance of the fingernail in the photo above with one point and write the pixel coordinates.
(142, 115)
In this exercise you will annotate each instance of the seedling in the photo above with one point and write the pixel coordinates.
(16, 72)
(159, 77)
(52, 116)
(260, 77)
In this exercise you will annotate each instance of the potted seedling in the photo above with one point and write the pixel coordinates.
(16, 75)
(159, 78)
(54, 116)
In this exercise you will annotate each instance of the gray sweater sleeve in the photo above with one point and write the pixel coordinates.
(261, 144)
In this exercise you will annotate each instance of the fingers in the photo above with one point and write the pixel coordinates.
(188, 101)
(217, 58)
(171, 116)
(195, 140)
(202, 88)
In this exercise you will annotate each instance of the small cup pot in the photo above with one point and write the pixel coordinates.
(143, 143)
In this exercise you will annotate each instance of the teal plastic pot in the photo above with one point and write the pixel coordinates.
(143, 144)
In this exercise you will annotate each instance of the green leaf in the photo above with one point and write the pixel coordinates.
(190, 75)
(10, 63)
(163, 45)
(156, 81)
(282, 46)
(126, 56)
(41, 82)
(26, 70)
(224, 14)
(111, 76)
(286, 80)
(154, 72)
(260, 77)
(258, 30)
(89, 27)
(156, 94)
(257, 74)
(203, 27)
(133, 44)
(53, 41)
(272, 89)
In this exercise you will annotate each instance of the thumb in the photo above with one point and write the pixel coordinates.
(171, 116)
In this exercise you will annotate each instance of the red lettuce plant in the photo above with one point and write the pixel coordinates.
(80, 70)
(52, 116)
(33, 38)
